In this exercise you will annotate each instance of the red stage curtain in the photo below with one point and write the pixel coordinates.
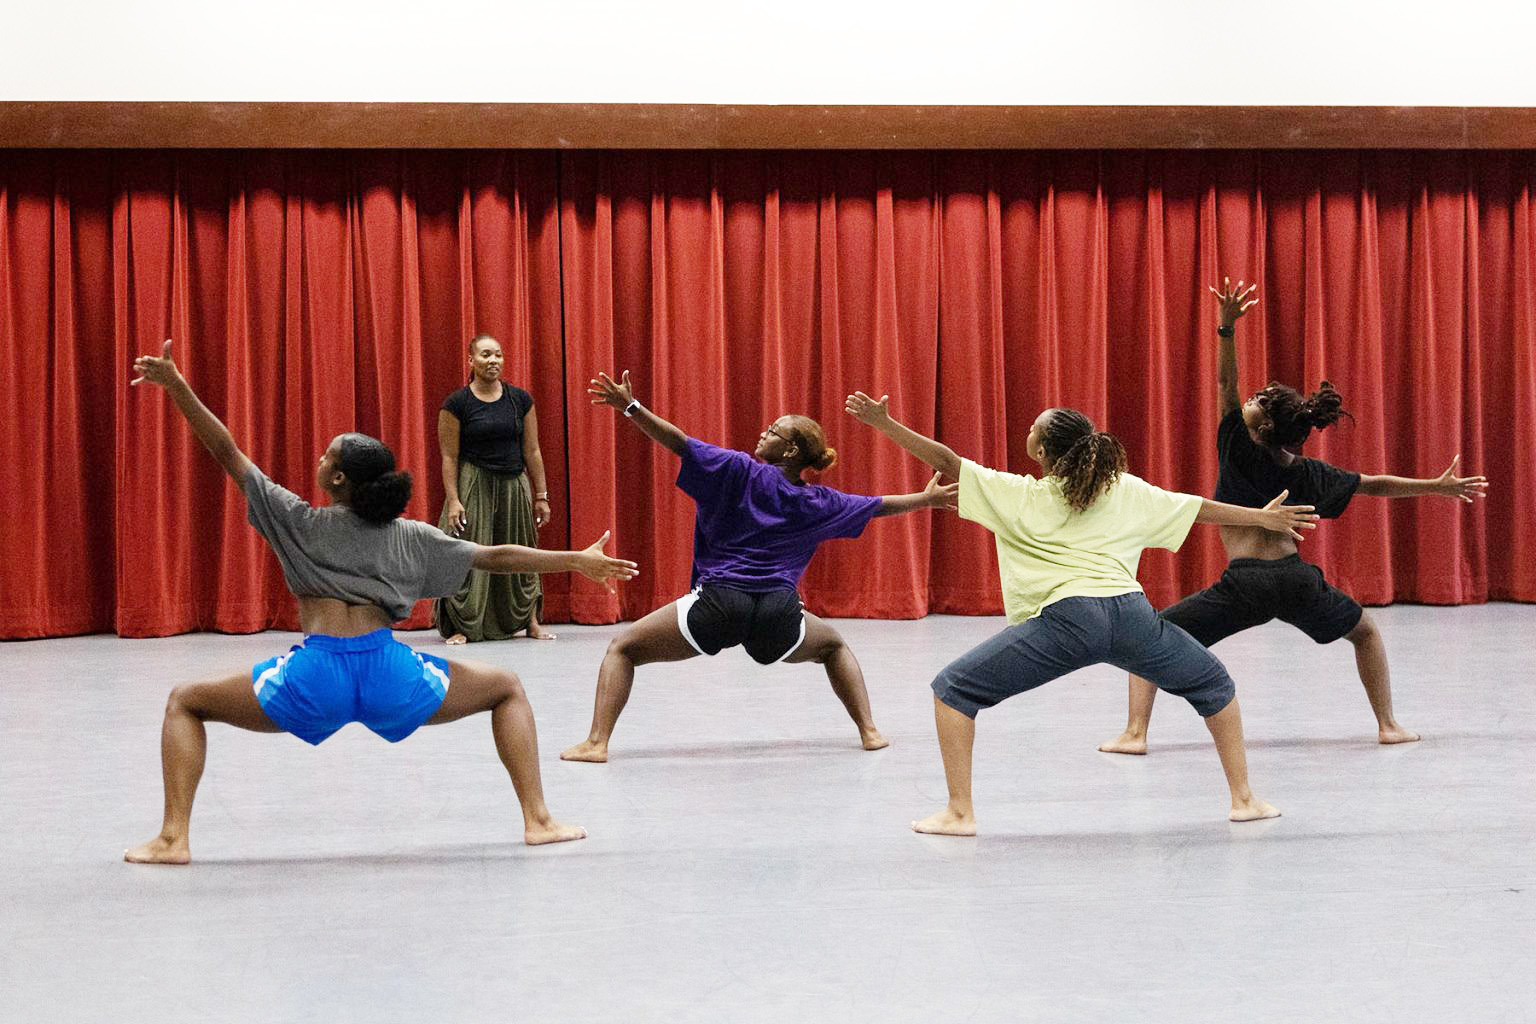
(311, 293)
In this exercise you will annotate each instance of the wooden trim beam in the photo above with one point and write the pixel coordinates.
(282, 125)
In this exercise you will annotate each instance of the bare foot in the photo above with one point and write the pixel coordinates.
(552, 832)
(1396, 734)
(586, 750)
(1253, 809)
(1125, 743)
(873, 740)
(456, 639)
(160, 850)
(946, 823)
(538, 632)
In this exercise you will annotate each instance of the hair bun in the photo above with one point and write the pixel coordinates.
(1325, 406)
(826, 461)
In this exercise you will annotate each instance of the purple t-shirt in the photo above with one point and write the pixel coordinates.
(755, 530)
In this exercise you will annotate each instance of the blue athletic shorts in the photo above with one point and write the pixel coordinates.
(328, 681)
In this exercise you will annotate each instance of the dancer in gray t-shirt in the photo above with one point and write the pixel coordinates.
(356, 567)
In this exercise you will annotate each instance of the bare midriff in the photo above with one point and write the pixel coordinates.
(330, 617)
(1256, 542)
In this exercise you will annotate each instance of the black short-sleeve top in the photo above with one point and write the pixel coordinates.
(1250, 476)
(491, 433)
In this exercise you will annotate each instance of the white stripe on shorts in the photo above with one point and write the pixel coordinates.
(267, 676)
(684, 603)
(800, 640)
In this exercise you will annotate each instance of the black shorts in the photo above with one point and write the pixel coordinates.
(770, 625)
(1254, 590)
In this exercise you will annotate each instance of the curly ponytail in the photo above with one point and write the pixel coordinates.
(379, 494)
(808, 436)
(1087, 461)
(1324, 407)
(1291, 418)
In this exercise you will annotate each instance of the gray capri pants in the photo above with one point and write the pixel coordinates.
(1074, 633)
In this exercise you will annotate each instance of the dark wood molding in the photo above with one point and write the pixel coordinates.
(182, 125)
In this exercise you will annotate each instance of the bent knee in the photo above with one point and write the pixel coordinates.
(183, 700)
(820, 655)
(509, 687)
(623, 646)
(1365, 630)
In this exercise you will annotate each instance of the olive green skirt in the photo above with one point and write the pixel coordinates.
(493, 606)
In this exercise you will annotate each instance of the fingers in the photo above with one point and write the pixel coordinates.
(602, 541)
(165, 350)
(884, 400)
(136, 380)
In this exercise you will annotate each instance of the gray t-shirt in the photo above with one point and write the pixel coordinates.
(333, 552)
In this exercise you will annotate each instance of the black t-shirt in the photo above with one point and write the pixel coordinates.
(1251, 477)
(491, 433)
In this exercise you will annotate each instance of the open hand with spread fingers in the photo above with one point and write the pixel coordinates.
(868, 411)
(1279, 517)
(159, 369)
(1234, 302)
(942, 495)
(1467, 488)
(606, 391)
(599, 567)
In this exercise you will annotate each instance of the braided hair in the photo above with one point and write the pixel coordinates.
(1087, 461)
(379, 493)
(1290, 418)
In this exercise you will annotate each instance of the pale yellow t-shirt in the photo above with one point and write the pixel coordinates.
(1047, 552)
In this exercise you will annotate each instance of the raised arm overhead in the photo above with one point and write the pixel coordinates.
(621, 395)
(214, 434)
(878, 415)
(1232, 303)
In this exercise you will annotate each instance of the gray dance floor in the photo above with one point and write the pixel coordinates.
(748, 862)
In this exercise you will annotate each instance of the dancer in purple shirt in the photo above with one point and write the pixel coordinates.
(758, 525)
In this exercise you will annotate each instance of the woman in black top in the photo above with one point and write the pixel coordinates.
(1259, 443)
(493, 478)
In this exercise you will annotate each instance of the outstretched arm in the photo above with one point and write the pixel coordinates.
(935, 495)
(215, 435)
(1276, 517)
(1446, 485)
(621, 395)
(591, 562)
(1232, 303)
(878, 415)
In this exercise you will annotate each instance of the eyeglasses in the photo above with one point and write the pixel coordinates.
(771, 429)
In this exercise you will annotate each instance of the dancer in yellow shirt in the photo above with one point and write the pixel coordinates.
(1068, 544)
